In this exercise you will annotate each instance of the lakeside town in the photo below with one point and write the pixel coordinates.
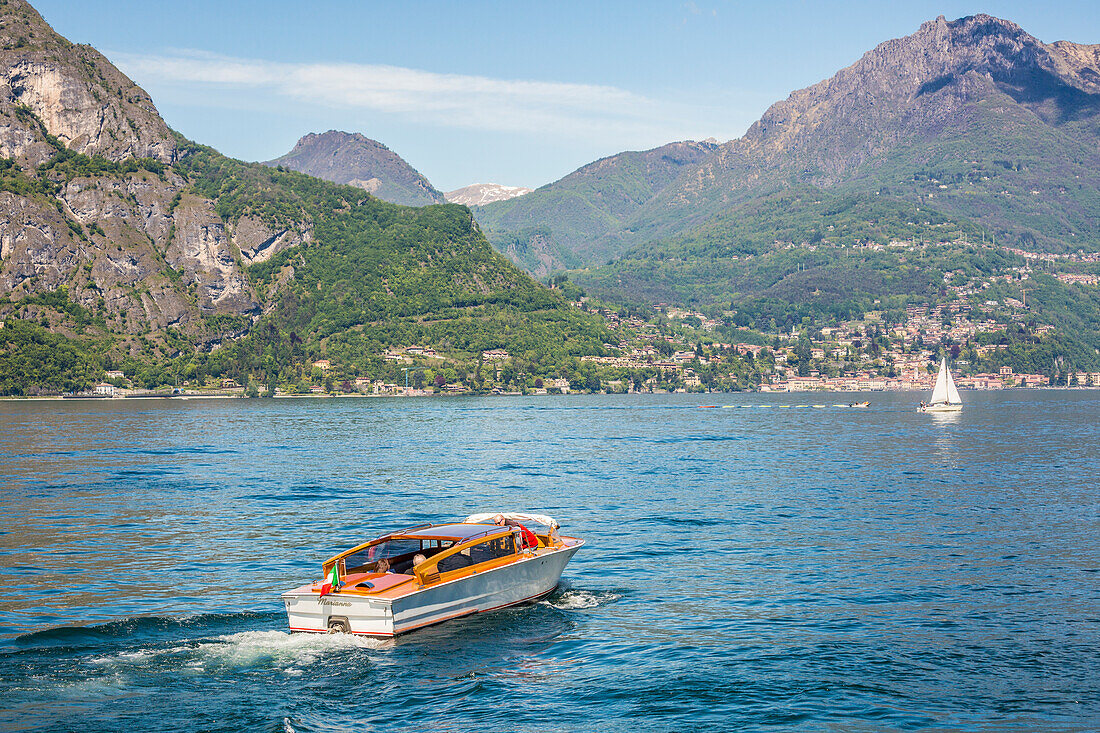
(981, 321)
(977, 324)
(675, 350)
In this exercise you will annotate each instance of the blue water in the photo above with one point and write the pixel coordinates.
(763, 565)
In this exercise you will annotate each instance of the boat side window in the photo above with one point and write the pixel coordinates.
(455, 562)
(493, 549)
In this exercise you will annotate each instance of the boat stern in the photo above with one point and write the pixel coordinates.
(307, 610)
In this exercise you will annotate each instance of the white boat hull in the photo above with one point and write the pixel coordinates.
(488, 590)
(945, 407)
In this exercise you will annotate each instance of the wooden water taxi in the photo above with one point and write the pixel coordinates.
(432, 573)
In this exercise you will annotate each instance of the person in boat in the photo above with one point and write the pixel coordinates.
(528, 538)
(417, 559)
(383, 566)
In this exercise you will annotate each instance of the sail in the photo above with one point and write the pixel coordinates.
(939, 393)
(945, 391)
(952, 393)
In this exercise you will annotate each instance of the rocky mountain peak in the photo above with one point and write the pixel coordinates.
(959, 95)
(333, 139)
(357, 160)
(918, 83)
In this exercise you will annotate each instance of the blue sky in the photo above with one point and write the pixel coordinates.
(512, 93)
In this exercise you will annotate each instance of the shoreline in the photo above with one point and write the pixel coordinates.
(183, 398)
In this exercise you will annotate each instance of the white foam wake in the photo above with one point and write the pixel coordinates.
(272, 649)
(575, 600)
(277, 648)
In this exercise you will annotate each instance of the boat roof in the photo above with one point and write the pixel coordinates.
(454, 531)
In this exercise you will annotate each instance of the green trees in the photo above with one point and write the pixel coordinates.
(34, 360)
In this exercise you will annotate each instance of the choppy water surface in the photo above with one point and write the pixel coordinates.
(759, 565)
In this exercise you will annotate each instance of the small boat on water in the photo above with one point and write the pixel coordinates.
(860, 404)
(945, 397)
(431, 573)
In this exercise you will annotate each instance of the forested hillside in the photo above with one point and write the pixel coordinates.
(559, 225)
(825, 256)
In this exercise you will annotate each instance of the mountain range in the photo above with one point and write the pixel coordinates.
(125, 245)
(122, 243)
(356, 160)
(974, 118)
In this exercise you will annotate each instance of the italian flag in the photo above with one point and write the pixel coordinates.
(332, 581)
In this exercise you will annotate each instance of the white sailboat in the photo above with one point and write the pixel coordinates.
(945, 398)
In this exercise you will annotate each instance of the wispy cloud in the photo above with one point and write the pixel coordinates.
(450, 100)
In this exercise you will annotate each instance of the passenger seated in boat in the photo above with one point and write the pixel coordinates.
(383, 566)
(528, 538)
(418, 558)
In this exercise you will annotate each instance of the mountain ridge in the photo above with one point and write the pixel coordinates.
(547, 228)
(1008, 118)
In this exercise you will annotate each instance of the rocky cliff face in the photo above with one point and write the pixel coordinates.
(82, 99)
(351, 158)
(918, 86)
(91, 201)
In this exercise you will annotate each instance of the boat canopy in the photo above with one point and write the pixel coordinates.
(487, 518)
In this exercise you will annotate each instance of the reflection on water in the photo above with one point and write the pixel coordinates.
(780, 561)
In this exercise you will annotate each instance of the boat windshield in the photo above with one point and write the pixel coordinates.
(394, 551)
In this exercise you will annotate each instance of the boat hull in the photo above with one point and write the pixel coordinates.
(942, 408)
(518, 582)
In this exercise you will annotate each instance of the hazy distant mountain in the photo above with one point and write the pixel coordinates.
(480, 194)
(558, 225)
(351, 158)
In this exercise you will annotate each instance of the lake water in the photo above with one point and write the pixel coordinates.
(762, 565)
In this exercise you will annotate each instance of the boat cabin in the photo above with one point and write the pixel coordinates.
(404, 561)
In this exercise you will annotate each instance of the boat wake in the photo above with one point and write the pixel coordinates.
(279, 649)
(276, 650)
(577, 600)
(142, 629)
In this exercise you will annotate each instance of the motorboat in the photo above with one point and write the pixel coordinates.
(945, 396)
(432, 573)
(860, 404)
